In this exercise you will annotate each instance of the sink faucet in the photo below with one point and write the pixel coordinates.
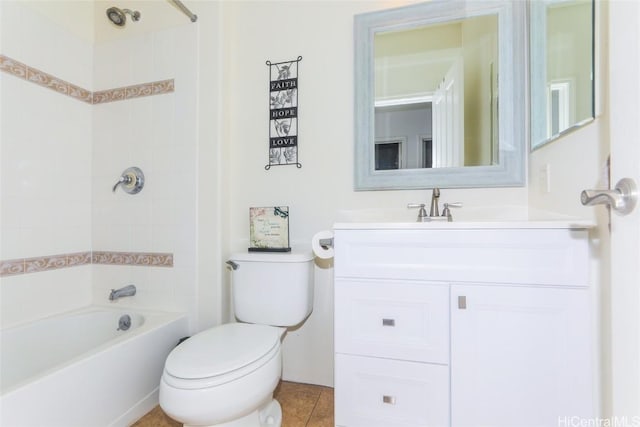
(127, 291)
(435, 195)
(434, 211)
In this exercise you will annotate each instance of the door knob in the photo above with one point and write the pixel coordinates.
(622, 199)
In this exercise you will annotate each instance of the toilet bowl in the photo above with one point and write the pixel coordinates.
(226, 375)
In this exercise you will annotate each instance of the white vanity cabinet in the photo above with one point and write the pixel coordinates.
(463, 325)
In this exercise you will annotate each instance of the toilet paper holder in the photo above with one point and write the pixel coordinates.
(326, 243)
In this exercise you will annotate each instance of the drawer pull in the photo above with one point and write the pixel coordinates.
(391, 400)
(462, 302)
(388, 322)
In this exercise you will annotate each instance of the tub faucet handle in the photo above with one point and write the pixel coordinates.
(131, 180)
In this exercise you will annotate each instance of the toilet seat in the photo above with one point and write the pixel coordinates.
(220, 355)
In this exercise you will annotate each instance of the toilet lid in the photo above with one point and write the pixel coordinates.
(220, 350)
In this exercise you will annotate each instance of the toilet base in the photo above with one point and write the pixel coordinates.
(269, 415)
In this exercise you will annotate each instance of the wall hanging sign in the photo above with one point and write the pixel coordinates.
(283, 113)
(269, 229)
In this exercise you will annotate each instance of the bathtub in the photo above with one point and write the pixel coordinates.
(80, 369)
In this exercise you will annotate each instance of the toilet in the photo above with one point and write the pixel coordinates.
(226, 375)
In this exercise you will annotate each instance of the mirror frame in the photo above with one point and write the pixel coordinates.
(512, 84)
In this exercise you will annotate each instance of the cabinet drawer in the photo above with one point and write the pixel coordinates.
(372, 392)
(393, 319)
(531, 256)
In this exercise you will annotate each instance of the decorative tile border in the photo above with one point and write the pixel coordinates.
(54, 262)
(51, 262)
(147, 259)
(33, 75)
(135, 91)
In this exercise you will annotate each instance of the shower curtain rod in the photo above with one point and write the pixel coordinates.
(185, 10)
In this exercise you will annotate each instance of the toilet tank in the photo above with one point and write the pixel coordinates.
(273, 288)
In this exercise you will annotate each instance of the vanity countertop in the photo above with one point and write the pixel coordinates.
(502, 218)
(462, 225)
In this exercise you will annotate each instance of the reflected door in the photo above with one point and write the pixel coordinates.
(448, 119)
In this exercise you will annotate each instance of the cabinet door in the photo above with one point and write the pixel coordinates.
(374, 392)
(521, 356)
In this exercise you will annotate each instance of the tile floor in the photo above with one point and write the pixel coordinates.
(303, 405)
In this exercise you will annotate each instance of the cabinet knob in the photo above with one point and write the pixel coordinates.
(388, 322)
(391, 400)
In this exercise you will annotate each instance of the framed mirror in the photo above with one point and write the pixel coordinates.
(562, 68)
(440, 96)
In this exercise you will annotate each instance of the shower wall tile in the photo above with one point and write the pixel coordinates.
(35, 40)
(156, 133)
(112, 64)
(64, 144)
(26, 297)
(140, 50)
(165, 44)
(46, 172)
(63, 148)
(154, 286)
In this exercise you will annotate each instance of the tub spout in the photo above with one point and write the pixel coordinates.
(127, 291)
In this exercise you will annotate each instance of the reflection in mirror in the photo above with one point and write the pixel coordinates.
(435, 86)
(562, 55)
(440, 95)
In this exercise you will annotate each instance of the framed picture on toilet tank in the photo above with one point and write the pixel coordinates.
(269, 229)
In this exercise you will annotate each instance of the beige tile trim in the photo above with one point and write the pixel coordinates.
(53, 262)
(135, 91)
(147, 259)
(33, 75)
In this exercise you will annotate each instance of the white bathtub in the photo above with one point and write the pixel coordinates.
(77, 369)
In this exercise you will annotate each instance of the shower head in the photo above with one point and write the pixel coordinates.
(119, 16)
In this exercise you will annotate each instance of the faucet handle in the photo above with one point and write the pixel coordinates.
(131, 180)
(446, 212)
(422, 213)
